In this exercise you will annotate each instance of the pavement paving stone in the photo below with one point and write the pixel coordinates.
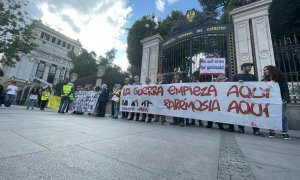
(12, 144)
(70, 163)
(48, 145)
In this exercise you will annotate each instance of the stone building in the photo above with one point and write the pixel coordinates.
(49, 61)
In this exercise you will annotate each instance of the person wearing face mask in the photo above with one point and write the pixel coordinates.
(273, 74)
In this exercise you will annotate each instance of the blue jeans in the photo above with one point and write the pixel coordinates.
(9, 99)
(31, 102)
(285, 122)
(63, 104)
(116, 109)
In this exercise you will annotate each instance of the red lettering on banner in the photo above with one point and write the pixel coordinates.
(178, 104)
(193, 90)
(149, 91)
(126, 91)
(233, 90)
(244, 107)
(247, 92)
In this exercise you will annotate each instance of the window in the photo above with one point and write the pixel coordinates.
(40, 70)
(51, 74)
(47, 37)
(64, 44)
(53, 39)
(59, 42)
(69, 46)
(72, 48)
(42, 35)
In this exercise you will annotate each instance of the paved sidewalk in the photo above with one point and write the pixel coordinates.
(47, 145)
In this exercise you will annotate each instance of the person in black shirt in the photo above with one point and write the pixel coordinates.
(241, 77)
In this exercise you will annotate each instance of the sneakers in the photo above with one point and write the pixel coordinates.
(286, 136)
(271, 134)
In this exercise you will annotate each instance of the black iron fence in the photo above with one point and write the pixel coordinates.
(287, 59)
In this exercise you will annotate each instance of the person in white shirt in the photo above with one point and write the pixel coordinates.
(11, 93)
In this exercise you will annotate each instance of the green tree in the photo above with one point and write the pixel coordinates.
(84, 64)
(16, 32)
(138, 31)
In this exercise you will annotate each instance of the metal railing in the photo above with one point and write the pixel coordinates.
(287, 59)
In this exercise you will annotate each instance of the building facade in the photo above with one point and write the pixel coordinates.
(49, 61)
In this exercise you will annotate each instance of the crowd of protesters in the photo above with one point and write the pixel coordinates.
(39, 97)
(271, 73)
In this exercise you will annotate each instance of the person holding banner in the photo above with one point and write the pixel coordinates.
(146, 104)
(178, 120)
(241, 77)
(125, 102)
(65, 97)
(44, 99)
(160, 80)
(273, 74)
(220, 78)
(33, 96)
(136, 80)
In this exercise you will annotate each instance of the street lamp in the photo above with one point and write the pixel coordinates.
(154, 25)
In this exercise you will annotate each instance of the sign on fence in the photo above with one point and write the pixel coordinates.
(54, 102)
(85, 101)
(212, 66)
(255, 104)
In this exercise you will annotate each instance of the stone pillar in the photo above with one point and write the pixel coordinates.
(253, 19)
(100, 74)
(74, 77)
(34, 67)
(150, 58)
(57, 73)
(46, 71)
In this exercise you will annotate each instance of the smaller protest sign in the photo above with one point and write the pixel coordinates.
(85, 101)
(212, 66)
(54, 102)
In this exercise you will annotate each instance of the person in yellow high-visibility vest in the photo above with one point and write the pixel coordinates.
(44, 98)
(70, 105)
(65, 97)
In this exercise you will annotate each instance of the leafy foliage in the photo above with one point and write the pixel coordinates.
(16, 32)
(284, 14)
(138, 31)
(284, 18)
(84, 64)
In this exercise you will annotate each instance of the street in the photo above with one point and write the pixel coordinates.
(47, 145)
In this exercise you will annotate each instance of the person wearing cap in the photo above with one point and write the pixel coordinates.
(65, 97)
(244, 75)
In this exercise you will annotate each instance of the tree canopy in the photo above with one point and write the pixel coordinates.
(84, 64)
(138, 31)
(16, 32)
(284, 14)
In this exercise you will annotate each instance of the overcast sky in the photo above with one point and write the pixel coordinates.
(100, 24)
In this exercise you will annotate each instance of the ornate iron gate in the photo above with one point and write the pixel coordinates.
(193, 39)
(287, 59)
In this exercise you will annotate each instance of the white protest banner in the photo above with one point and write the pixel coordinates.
(43, 81)
(85, 101)
(255, 104)
(212, 66)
